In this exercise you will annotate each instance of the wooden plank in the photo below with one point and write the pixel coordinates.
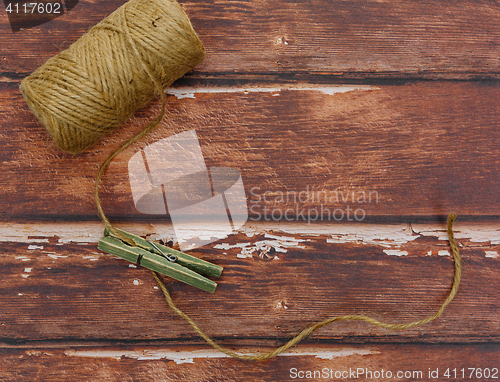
(126, 363)
(398, 38)
(277, 280)
(417, 149)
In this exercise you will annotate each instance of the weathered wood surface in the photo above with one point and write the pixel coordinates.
(182, 363)
(265, 103)
(425, 39)
(56, 286)
(417, 149)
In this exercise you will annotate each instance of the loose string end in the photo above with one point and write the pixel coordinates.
(309, 330)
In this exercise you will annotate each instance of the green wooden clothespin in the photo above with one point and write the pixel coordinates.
(162, 259)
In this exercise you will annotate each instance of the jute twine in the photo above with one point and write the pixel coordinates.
(352, 317)
(120, 65)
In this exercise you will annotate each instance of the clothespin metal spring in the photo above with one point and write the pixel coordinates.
(171, 258)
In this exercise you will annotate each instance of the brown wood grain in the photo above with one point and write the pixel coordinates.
(120, 363)
(281, 39)
(55, 290)
(421, 149)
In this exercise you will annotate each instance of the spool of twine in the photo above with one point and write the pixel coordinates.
(118, 66)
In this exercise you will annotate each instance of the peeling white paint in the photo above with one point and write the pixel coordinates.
(243, 256)
(491, 254)
(40, 233)
(287, 239)
(264, 247)
(395, 252)
(25, 276)
(475, 232)
(54, 256)
(38, 353)
(22, 258)
(346, 352)
(227, 246)
(132, 266)
(277, 237)
(189, 92)
(443, 253)
(28, 270)
(91, 258)
(181, 357)
(389, 235)
(76, 232)
(136, 282)
(386, 235)
(216, 232)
